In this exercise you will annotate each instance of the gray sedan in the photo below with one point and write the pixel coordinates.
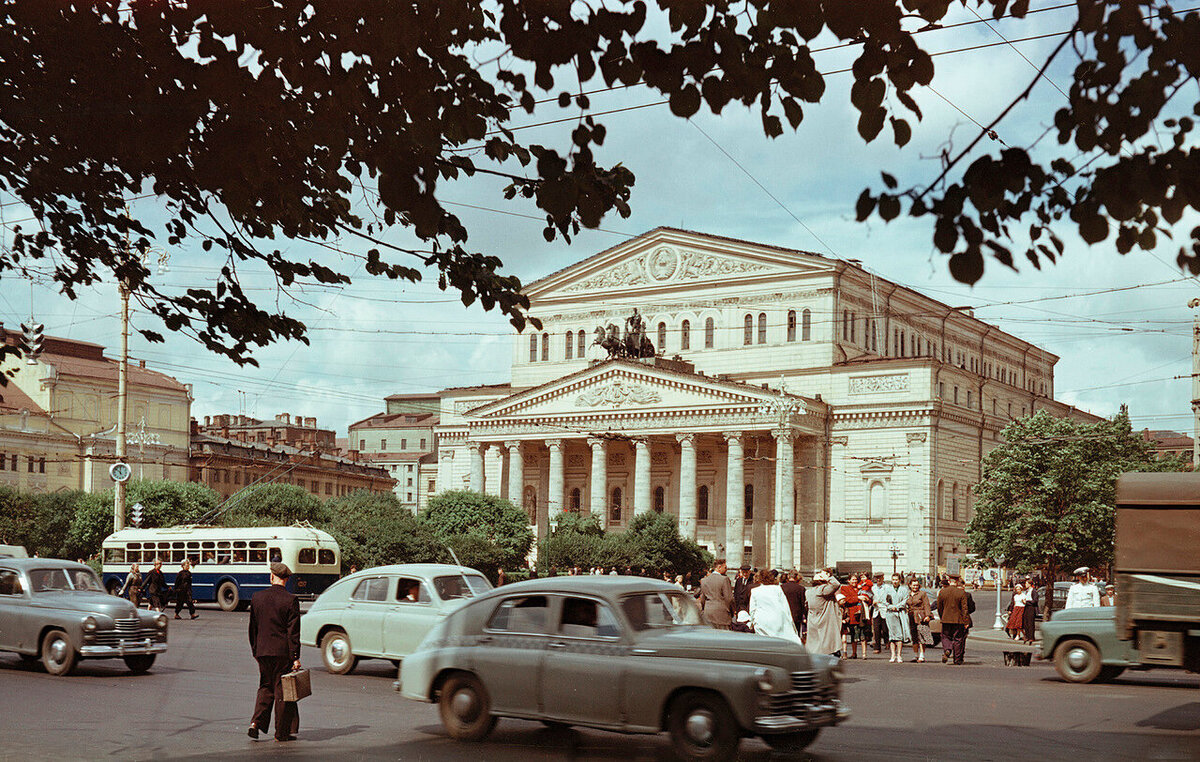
(58, 612)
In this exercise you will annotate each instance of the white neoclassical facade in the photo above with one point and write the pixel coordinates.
(799, 411)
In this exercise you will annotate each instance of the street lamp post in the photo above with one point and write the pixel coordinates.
(999, 625)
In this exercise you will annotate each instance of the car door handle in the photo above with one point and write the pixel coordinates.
(556, 644)
(485, 639)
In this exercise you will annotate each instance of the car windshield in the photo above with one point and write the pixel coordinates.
(661, 609)
(49, 580)
(460, 586)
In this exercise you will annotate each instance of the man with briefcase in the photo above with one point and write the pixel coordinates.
(275, 644)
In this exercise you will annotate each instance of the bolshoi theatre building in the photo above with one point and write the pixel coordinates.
(791, 409)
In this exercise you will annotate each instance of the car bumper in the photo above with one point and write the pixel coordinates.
(812, 716)
(127, 648)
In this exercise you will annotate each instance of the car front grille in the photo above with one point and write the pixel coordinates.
(126, 630)
(805, 693)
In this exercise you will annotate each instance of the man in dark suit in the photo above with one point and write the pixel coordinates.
(793, 591)
(741, 589)
(183, 590)
(275, 644)
(716, 597)
(952, 606)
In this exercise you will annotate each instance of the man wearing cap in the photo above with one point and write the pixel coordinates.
(1083, 594)
(741, 589)
(275, 644)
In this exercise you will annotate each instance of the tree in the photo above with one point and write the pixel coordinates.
(267, 505)
(489, 530)
(656, 545)
(252, 124)
(578, 539)
(1047, 496)
(373, 529)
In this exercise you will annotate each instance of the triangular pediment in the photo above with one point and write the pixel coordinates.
(667, 258)
(621, 388)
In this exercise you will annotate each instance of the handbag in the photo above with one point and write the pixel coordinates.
(925, 634)
(296, 685)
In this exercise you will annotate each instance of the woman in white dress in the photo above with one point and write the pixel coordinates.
(769, 611)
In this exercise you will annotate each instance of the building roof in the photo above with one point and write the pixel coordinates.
(13, 399)
(83, 359)
(401, 456)
(478, 388)
(396, 420)
(412, 397)
(264, 449)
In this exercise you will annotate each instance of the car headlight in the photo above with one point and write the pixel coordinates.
(89, 624)
(161, 621)
(764, 681)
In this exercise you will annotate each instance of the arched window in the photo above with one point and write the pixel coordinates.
(806, 325)
(876, 503)
(530, 504)
(662, 337)
(762, 328)
(615, 506)
(954, 503)
(570, 344)
(749, 502)
(533, 347)
(575, 499)
(545, 347)
(702, 503)
(685, 335)
(791, 325)
(748, 330)
(660, 499)
(710, 330)
(582, 345)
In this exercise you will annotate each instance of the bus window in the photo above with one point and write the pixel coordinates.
(275, 556)
(307, 556)
(177, 555)
(114, 555)
(193, 545)
(193, 557)
(223, 552)
(326, 557)
(239, 556)
(133, 553)
(208, 545)
(258, 555)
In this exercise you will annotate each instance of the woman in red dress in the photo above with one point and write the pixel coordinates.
(852, 629)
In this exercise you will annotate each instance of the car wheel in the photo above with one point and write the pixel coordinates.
(466, 708)
(702, 727)
(791, 742)
(140, 663)
(1108, 674)
(228, 597)
(1078, 661)
(336, 653)
(58, 655)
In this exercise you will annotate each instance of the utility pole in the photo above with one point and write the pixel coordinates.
(1195, 385)
(122, 398)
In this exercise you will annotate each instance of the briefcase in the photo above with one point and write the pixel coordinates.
(296, 685)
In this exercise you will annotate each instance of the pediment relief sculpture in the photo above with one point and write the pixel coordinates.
(617, 394)
(665, 264)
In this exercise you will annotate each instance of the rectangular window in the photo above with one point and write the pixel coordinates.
(29, 464)
(408, 497)
(403, 444)
(410, 482)
(533, 348)
(941, 391)
(422, 443)
(968, 398)
(956, 395)
(13, 461)
(3, 460)
(526, 614)
(431, 486)
(328, 488)
(41, 465)
(362, 445)
(383, 444)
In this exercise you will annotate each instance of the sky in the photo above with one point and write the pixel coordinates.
(1120, 324)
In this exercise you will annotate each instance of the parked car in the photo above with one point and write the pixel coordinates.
(618, 653)
(59, 612)
(385, 612)
(1085, 645)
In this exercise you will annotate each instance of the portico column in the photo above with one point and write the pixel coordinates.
(785, 497)
(476, 483)
(687, 485)
(599, 499)
(516, 474)
(554, 501)
(735, 501)
(641, 477)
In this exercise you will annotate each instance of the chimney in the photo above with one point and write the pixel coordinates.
(310, 423)
(283, 418)
(208, 420)
(299, 419)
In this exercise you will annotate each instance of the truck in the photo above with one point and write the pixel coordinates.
(1156, 620)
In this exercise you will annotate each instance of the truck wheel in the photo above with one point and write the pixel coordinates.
(228, 597)
(1108, 674)
(466, 708)
(1078, 661)
(58, 655)
(336, 653)
(790, 743)
(702, 727)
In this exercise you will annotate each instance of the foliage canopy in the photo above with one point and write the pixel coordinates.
(254, 123)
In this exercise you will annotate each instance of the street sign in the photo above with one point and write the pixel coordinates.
(136, 514)
(120, 472)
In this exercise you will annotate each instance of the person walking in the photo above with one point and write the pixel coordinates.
(952, 610)
(275, 645)
(716, 597)
(154, 588)
(919, 613)
(824, 615)
(770, 614)
(133, 586)
(793, 590)
(892, 598)
(183, 590)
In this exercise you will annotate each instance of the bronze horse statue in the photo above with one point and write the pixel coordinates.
(633, 344)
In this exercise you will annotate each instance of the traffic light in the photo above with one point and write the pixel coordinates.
(32, 341)
(135, 514)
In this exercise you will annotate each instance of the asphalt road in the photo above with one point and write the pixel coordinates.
(196, 702)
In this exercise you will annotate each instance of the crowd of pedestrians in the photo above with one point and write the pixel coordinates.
(842, 618)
